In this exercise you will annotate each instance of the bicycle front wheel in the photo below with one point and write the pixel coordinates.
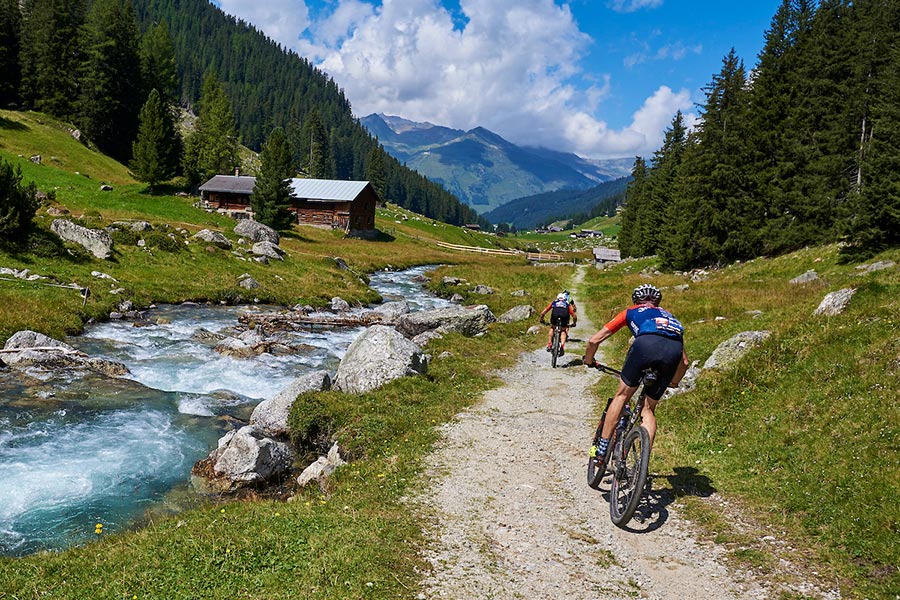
(629, 476)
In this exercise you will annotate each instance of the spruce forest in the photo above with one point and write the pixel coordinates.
(96, 63)
(803, 149)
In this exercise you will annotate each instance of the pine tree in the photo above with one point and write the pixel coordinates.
(18, 205)
(375, 172)
(51, 55)
(271, 197)
(872, 223)
(212, 148)
(10, 68)
(315, 149)
(156, 149)
(635, 196)
(109, 103)
(158, 67)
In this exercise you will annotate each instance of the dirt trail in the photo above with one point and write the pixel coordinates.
(514, 517)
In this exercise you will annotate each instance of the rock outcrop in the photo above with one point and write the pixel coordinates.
(32, 350)
(378, 356)
(244, 458)
(731, 350)
(834, 303)
(96, 241)
(516, 313)
(256, 231)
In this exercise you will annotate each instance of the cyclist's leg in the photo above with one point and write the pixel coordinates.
(563, 337)
(623, 394)
(648, 417)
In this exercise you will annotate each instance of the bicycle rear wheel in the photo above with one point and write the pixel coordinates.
(554, 347)
(629, 476)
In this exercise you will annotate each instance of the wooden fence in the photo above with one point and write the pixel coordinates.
(532, 256)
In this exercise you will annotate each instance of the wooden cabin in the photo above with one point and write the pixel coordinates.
(606, 255)
(346, 205)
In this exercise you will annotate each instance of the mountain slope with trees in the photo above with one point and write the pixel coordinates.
(576, 205)
(800, 150)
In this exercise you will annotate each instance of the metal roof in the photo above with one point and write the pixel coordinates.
(237, 184)
(607, 254)
(327, 189)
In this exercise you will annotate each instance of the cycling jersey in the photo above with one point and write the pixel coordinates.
(647, 319)
(561, 312)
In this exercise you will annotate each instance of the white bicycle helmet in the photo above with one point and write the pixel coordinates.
(646, 293)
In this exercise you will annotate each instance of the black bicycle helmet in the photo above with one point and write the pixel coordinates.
(646, 293)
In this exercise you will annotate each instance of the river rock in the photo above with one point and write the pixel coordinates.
(423, 338)
(731, 350)
(834, 303)
(213, 237)
(457, 298)
(244, 458)
(389, 312)
(236, 348)
(322, 468)
(39, 351)
(516, 313)
(256, 231)
(377, 356)
(267, 249)
(97, 242)
(338, 304)
(270, 417)
(469, 320)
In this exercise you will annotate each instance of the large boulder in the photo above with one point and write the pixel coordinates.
(268, 249)
(32, 350)
(516, 313)
(244, 458)
(270, 417)
(468, 320)
(256, 231)
(378, 356)
(97, 242)
(834, 303)
(213, 237)
(731, 350)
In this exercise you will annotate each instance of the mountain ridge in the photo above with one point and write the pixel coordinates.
(481, 167)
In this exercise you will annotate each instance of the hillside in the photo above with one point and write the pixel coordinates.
(482, 168)
(539, 209)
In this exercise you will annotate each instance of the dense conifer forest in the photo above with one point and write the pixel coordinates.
(96, 62)
(802, 149)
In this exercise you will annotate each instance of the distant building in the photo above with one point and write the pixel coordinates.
(337, 204)
(473, 226)
(606, 255)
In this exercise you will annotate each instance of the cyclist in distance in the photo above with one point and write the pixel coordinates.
(561, 311)
(658, 343)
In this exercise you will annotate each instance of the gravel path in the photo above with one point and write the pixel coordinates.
(513, 517)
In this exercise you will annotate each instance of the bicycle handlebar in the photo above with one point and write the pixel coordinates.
(605, 368)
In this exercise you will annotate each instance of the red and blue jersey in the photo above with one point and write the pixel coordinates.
(645, 319)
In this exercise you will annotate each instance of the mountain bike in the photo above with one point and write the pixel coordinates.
(628, 456)
(555, 342)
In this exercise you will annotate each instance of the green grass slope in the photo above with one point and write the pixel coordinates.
(803, 431)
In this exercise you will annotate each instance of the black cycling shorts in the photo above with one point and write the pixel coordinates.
(652, 351)
(559, 315)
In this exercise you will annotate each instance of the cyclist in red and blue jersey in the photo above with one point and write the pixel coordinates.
(560, 310)
(658, 343)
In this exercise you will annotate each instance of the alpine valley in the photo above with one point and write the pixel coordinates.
(483, 169)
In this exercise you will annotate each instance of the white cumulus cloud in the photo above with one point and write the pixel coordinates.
(632, 5)
(509, 65)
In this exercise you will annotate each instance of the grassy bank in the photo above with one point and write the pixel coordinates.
(802, 432)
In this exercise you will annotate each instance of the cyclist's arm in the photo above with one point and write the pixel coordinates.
(573, 315)
(610, 328)
(546, 310)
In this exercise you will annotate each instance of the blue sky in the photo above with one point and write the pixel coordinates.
(601, 78)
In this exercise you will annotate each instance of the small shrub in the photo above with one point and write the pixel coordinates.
(162, 241)
(310, 422)
(124, 237)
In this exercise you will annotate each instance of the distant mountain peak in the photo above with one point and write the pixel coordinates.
(400, 125)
